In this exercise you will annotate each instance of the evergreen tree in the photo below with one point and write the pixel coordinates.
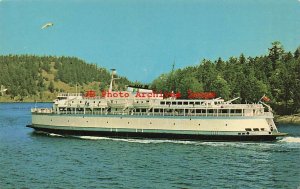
(275, 52)
(51, 87)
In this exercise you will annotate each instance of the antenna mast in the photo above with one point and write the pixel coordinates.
(113, 72)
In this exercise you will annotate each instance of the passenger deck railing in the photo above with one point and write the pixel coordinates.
(104, 111)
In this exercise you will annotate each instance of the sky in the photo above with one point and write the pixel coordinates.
(143, 38)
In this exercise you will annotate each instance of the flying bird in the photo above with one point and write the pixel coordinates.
(49, 24)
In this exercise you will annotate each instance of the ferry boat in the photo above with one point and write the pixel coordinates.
(141, 113)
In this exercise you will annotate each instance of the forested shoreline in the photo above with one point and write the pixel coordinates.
(276, 75)
(40, 78)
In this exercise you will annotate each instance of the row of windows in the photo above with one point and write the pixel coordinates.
(198, 111)
(224, 111)
(88, 102)
(254, 129)
(179, 103)
(141, 101)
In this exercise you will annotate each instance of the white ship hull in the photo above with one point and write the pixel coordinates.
(234, 128)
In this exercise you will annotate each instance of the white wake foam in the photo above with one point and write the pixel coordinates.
(290, 139)
(55, 135)
(217, 144)
(92, 138)
(142, 141)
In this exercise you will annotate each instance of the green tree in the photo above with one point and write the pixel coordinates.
(275, 52)
(221, 87)
(51, 87)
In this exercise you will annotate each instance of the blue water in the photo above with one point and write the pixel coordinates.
(30, 160)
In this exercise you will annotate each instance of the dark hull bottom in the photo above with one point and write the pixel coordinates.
(159, 135)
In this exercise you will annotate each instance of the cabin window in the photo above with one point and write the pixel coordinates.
(238, 111)
(198, 111)
(143, 110)
(147, 101)
(210, 111)
(256, 129)
(173, 103)
(224, 111)
(156, 110)
(203, 111)
(168, 103)
(162, 103)
(179, 103)
(185, 103)
(262, 129)
(248, 129)
(197, 103)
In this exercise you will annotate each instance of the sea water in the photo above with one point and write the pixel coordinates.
(32, 160)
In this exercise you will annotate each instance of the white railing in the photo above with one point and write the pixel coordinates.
(69, 94)
(42, 110)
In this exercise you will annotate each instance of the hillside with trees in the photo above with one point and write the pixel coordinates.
(40, 78)
(276, 75)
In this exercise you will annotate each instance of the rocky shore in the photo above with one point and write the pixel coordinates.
(288, 119)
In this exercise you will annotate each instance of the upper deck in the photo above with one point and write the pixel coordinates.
(75, 103)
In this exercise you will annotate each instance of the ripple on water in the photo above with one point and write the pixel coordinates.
(30, 160)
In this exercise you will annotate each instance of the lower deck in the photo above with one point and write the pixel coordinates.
(194, 128)
(154, 135)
